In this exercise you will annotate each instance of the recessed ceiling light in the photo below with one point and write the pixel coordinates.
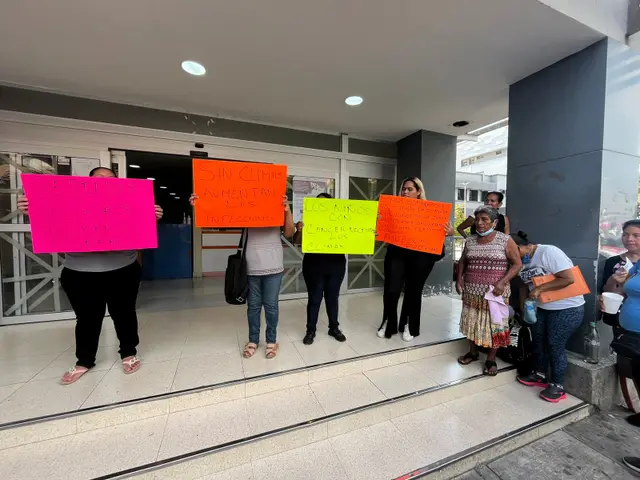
(150, 178)
(163, 187)
(460, 123)
(193, 68)
(134, 166)
(177, 198)
(353, 101)
(172, 193)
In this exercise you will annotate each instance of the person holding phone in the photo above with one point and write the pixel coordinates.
(265, 266)
(617, 268)
(93, 282)
(409, 269)
(493, 200)
(556, 321)
(620, 276)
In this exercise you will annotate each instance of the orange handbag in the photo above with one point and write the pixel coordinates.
(578, 287)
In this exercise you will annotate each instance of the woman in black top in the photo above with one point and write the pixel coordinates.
(408, 269)
(494, 200)
(323, 273)
(614, 272)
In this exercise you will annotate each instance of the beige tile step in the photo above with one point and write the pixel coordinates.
(395, 442)
(85, 420)
(204, 438)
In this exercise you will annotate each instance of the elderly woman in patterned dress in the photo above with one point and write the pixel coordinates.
(490, 259)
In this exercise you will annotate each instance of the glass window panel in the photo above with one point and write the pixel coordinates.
(367, 271)
(30, 282)
(292, 280)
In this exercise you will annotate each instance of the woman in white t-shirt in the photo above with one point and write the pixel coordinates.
(557, 321)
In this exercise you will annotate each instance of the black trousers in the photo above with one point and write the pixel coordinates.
(323, 277)
(89, 294)
(409, 269)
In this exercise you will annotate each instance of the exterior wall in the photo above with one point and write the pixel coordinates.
(63, 106)
(573, 155)
(42, 133)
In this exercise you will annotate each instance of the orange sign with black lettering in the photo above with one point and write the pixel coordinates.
(412, 223)
(238, 194)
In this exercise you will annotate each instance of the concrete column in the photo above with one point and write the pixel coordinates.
(431, 157)
(573, 156)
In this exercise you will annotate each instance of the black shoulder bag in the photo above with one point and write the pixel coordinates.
(236, 283)
(627, 344)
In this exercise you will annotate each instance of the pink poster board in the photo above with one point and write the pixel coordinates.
(83, 214)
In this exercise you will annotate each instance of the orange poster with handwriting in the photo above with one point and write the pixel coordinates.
(238, 194)
(412, 223)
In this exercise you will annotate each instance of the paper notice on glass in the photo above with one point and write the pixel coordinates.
(308, 187)
(80, 167)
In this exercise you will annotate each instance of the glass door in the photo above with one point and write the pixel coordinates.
(31, 289)
(368, 182)
(298, 187)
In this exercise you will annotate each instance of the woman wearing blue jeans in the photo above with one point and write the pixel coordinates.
(557, 321)
(265, 264)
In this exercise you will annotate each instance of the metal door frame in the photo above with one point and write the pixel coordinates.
(14, 233)
(365, 170)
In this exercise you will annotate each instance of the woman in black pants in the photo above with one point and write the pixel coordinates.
(94, 281)
(323, 274)
(408, 268)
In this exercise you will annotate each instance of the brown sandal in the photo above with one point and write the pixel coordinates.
(249, 350)
(272, 350)
(467, 358)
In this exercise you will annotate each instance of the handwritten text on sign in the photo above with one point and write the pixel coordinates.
(239, 194)
(82, 214)
(339, 226)
(412, 223)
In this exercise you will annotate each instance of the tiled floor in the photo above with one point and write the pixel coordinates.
(386, 448)
(186, 342)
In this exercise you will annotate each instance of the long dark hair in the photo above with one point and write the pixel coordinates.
(521, 238)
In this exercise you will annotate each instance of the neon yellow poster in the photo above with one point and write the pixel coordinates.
(339, 226)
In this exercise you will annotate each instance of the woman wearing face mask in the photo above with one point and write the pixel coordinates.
(489, 261)
(94, 281)
(494, 200)
(408, 268)
(323, 274)
(557, 321)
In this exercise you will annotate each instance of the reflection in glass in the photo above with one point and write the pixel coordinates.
(30, 282)
(292, 280)
(367, 271)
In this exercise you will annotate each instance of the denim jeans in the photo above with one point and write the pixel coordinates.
(550, 336)
(263, 291)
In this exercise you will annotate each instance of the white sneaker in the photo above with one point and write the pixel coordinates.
(381, 333)
(406, 336)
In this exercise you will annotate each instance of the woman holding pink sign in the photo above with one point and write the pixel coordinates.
(409, 269)
(94, 281)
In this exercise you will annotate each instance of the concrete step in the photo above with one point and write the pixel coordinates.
(374, 417)
(435, 433)
(328, 389)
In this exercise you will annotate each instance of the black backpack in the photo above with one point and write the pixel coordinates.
(236, 284)
(520, 352)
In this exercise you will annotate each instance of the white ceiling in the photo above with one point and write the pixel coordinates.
(417, 63)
